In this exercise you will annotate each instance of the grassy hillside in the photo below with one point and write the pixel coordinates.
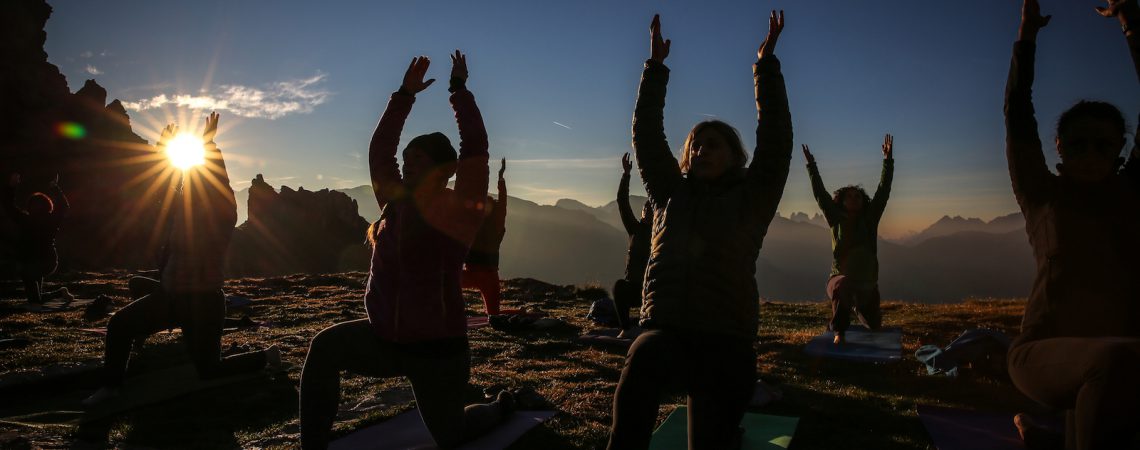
(841, 405)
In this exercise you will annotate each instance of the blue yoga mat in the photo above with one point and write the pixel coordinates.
(862, 345)
(761, 432)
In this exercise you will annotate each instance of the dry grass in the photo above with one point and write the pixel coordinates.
(841, 405)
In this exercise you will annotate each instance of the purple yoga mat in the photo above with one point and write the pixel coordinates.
(959, 429)
(407, 431)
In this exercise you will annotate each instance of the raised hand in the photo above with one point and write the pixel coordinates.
(888, 146)
(1031, 20)
(626, 164)
(658, 48)
(458, 66)
(1117, 7)
(807, 155)
(502, 170)
(775, 26)
(414, 78)
(167, 134)
(211, 129)
(54, 181)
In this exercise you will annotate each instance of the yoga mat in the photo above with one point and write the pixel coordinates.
(761, 432)
(57, 305)
(407, 431)
(881, 346)
(474, 322)
(960, 429)
(606, 337)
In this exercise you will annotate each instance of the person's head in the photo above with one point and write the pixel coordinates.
(851, 198)
(712, 149)
(429, 160)
(39, 204)
(1090, 136)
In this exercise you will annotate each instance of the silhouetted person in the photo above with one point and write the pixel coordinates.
(416, 326)
(701, 306)
(481, 268)
(627, 290)
(1079, 347)
(853, 217)
(38, 224)
(188, 293)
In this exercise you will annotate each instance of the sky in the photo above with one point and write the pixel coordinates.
(300, 85)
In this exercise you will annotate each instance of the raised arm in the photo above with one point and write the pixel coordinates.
(655, 161)
(220, 197)
(383, 169)
(628, 220)
(831, 211)
(1027, 168)
(883, 192)
(471, 174)
(59, 200)
(1128, 13)
(768, 171)
(500, 211)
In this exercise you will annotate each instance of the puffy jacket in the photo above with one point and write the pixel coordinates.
(854, 240)
(1084, 235)
(413, 292)
(706, 236)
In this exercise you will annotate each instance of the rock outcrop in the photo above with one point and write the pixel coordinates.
(298, 231)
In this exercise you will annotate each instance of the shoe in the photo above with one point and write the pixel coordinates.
(98, 308)
(101, 396)
(272, 357)
(839, 339)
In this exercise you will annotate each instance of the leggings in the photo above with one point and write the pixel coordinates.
(1093, 377)
(201, 316)
(34, 268)
(486, 280)
(717, 372)
(438, 381)
(627, 295)
(845, 295)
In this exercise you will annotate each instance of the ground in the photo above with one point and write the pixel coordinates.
(841, 405)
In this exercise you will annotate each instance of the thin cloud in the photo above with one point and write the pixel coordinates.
(86, 54)
(272, 101)
(563, 126)
(567, 163)
(93, 70)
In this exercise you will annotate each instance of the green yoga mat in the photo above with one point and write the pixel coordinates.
(761, 432)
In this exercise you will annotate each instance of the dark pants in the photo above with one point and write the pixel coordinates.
(846, 295)
(438, 381)
(200, 315)
(1093, 377)
(627, 294)
(717, 372)
(34, 268)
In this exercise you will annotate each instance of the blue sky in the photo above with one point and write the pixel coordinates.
(300, 85)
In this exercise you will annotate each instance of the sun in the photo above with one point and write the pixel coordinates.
(185, 151)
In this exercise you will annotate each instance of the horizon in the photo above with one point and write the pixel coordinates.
(300, 86)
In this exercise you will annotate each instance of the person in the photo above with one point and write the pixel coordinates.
(416, 326)
(188, 293)
(853, 217)
(627, 290)
(37, 225)
(700, 310)
(481, 268)
(1079, 347)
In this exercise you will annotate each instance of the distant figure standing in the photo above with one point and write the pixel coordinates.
(416, 326)
(701, 308)
(188, 293)
(481, 268)
(854, 220)
(1079, 347)
(38, 225)
(627, 290)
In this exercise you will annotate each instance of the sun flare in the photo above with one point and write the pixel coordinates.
(185, 151)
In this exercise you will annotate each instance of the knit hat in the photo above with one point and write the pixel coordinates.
(436, 146)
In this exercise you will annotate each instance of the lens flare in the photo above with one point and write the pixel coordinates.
(186, 151)
(71, 130)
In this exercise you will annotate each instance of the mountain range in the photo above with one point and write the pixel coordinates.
(953, 259)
